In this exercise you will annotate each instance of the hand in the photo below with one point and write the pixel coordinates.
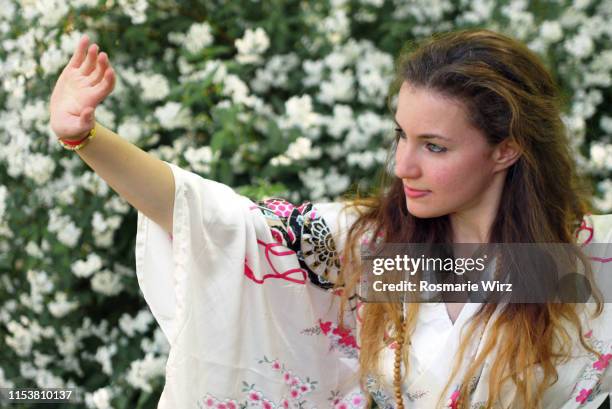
(83, 84)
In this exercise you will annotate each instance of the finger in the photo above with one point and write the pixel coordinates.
(90, 61)
(79, 52)
(104, 87)
(101, 67)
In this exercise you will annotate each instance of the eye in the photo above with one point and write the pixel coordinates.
(432, 147)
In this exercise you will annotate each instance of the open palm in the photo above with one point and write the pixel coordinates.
(83, 84)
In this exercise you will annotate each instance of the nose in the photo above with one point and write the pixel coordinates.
(407, 164)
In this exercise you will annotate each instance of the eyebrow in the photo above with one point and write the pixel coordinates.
(426, 135)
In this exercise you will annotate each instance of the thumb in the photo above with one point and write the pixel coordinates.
(87, 117)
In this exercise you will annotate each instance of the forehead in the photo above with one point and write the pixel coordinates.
(425, 111)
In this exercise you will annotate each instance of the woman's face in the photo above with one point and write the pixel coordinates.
(440, 152)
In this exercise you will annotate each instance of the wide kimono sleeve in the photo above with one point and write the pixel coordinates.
(594, 381)
(244, 293)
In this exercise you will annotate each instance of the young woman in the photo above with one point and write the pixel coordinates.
(258, 300)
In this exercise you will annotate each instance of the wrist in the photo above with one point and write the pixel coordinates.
(78, 143)
(78, 137)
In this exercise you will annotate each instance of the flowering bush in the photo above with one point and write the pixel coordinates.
(272, 98)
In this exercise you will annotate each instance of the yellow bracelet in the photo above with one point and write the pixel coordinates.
(71, 146)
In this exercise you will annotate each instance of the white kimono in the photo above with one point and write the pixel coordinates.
(243, 293)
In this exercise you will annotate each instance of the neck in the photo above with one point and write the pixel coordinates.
(473, 224)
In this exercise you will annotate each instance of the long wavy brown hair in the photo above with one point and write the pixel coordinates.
(508, 93)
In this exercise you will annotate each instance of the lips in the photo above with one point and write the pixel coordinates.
(414, 190)
(414, 193)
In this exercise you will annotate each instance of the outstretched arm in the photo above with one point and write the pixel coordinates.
(141, 179)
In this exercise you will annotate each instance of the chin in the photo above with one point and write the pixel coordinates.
(424, 212)
(421, 213)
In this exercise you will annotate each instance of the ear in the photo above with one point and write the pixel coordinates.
(506, 153)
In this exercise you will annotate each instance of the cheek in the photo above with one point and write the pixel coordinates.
(448, 176)
(460, 175)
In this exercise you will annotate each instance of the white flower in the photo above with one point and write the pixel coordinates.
(34, 113)
(22, 337)
(69, 235)
(301, 148)
(199, 159)
(139, 323)
(83, 3)
(605, 124)
(172, 115)
(51, 11)
(338, 88)
(252, 45)
(101, 225)
(68, 343)
(45, 379)
(365, 160)
(141, 371)
(275, 73)
(39, 168)
(299, 113)
(60, 306)
(336, 183)
(335, 26)
(32, 249)
(42, 360)
(337, 60)
(580, 46)
(236, 88)
(105, 116)
(68, 41)
(581, 4)
(176, 38)
(117, 204)
(336, 151)
(85, 268)
(40, 284)
(66, 230)
(107, 283)
(100, 399)
(551, 31)
(131, 129)
(314, 72)
(198, 37)
(211, 67)
(155, 87)
(602, 61)
(312, 178)
(219, 69)
(3, 196)
(7, 11)
(135, 9)
(479, 12)
(52, 60)
(93, 183)
(373, 88)
(375, 3)
(604, 203)
(356, 139)
(280, 160)
(372, 124)
(601, 155)
(104, 355)
(158, 345)
(39, 281)
(341, 121)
